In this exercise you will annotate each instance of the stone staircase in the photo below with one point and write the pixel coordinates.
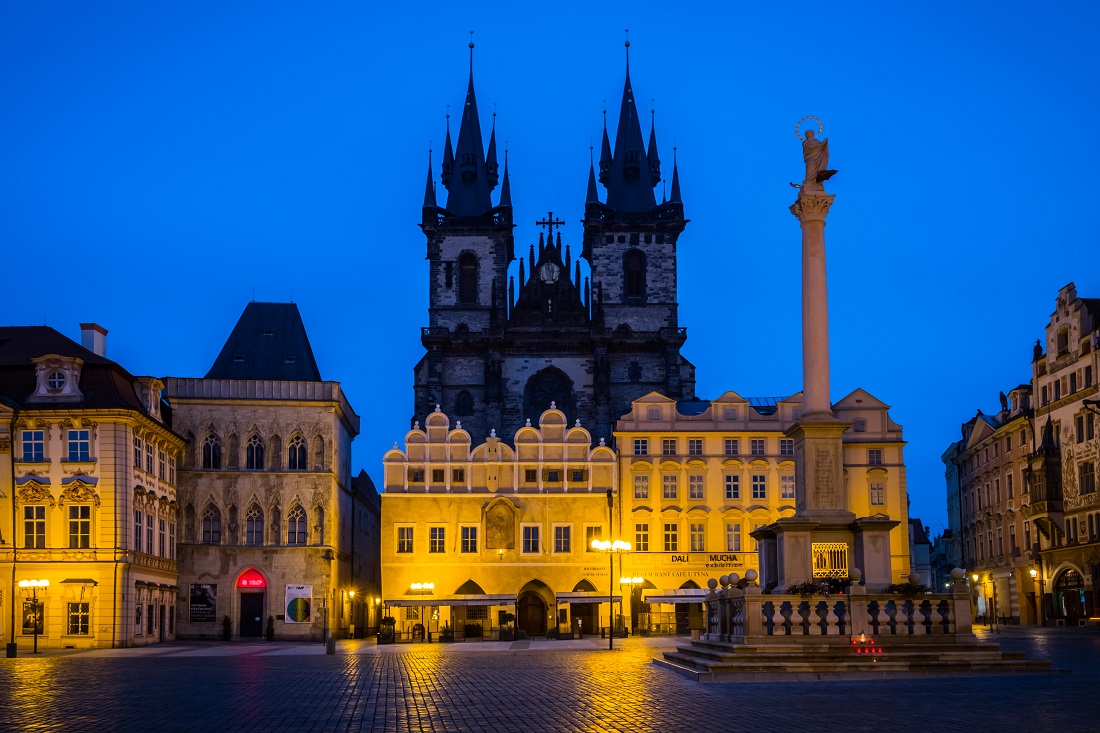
(841, 659)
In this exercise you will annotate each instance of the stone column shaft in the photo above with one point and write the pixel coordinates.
(811, 209)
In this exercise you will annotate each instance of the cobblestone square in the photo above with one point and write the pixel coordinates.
(525, 686)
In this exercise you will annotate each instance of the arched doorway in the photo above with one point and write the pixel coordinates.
(549, 385)
(251, 586)
(532, 605)
(686, 611)
(1069, 597)
(585, 616)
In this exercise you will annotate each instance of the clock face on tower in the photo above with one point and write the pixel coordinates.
(549, 272)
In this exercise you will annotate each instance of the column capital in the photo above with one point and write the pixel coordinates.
(812, 206)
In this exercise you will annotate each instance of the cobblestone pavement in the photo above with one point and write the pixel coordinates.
(550, 686)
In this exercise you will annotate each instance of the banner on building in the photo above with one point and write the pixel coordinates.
(203, 607)
(33, 616)
(299, 604)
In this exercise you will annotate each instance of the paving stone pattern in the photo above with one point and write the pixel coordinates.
(550, 686)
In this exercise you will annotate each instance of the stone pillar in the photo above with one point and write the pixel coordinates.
(811, 210)
(872, 551)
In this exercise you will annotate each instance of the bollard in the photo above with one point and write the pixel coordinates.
(330, 646)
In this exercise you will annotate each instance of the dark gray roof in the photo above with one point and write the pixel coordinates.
(269, 342)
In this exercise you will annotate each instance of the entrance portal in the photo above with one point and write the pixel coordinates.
(1069, 597)
(252, 614)
(531, 614)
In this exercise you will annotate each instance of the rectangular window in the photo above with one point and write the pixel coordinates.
(458, 475)
(149, 457)
(695, 446)
(1090, 426)
(34, 527)
(1079, 424)
(34, 446)
(671, 538)
(404, 539)
(530, 475)
(997, 489)
(641, 487)
(759, 486)
(733, 537)
(1087, 478)
(695, 486)
(732, 447)
(786, 447)
(563, 536)
(439, 475)
(162, 537)
(878, 494)
(1088, 377)
(139, 531)
(786, 486)
(77, 623)
(171, 540)
(416, 475)
(757, 446)
(80, 527)
(172, 470)
(1008, 479)
(733, 486)
(592, 533)
(874, 456)
(578, 476)
(531, 539)
(697, 539)
(149, 618)
(137, 452)
(991, 544)
(729, 413)
(1008, 443)
(437, 539)
(149, 533)
(641, 447)
(80, 445)
(641, 537)
(162, 464)
(668, 446)
(553, 476)
(469, 539)
(670, 486)
(1000, 541)
(1012, 538)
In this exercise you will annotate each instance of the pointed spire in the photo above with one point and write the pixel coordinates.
(429, 189)
(577, 275)
(566, 259)
(593, 196)
(651, 155)
(675, 199)
(629, 189)
(505, 186)
(491, 157)
(469, 190)
(522, 279)
(605, 153)
(448, 156)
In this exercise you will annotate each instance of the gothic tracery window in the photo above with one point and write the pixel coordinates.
(296, 454)
(254, 453)
(211, 452)
(254, 525)
(211, 526)
(296, 531)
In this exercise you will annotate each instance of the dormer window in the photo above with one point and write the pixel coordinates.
(55, 381)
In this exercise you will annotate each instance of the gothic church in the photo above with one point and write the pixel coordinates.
(499, 348)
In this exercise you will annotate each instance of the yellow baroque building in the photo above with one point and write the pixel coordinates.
(473, 533)
(699, 477)
(88, 467)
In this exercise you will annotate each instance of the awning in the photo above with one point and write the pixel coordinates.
(485, 599)
(413, 601)
(80, 581)
(677, 595)
(584, 597)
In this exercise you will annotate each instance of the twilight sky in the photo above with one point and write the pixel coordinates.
(161, 164)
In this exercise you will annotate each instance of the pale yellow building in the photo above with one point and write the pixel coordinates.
(473, 532)
(698, 477)
(88, 469)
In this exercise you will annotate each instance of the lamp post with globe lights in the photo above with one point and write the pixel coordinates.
(611, 548)
(36, 611)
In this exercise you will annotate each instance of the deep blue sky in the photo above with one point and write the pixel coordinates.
(160, 163)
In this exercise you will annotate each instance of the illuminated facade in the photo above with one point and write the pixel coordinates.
(88, 470)
(273, 536)
(472, 532)
(698, 477)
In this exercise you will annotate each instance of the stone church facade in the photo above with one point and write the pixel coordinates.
(500, 347)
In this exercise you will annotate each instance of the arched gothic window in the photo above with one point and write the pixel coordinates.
(551, 385)
(296, 454)
(254, 454)
(211, 452)
(296, 532)
(467, 278)
(319, 525)
(634, 274)
(211, 526)
(464, 404)
(254, 526)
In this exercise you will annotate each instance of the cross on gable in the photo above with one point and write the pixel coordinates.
(550, 222)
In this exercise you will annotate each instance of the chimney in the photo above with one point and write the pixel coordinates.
(93, 337)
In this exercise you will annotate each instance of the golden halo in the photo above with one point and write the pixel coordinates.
(797, 132)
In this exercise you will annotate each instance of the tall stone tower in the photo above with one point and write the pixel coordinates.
(500, 348)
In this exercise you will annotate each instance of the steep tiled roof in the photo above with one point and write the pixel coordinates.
(269, 342)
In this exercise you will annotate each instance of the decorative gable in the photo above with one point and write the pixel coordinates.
(57, 379)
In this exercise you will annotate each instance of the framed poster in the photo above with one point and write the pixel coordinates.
(33, 616)
(203, 606)
(299, 604)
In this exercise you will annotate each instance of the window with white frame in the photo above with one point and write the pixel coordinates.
(729, 412)
(592, 533)
(733, 486)
(641, 447)
(732, 446)
(697, 539)
(80, 445)
(670, 485)
(149, 458)
(149, 533)
(172, 470)
(77, 619)
(786, 486)
(171, 540)
(641, 486)
(437, 539)
(469, 539)
(162, 465)
(733, 537)
(757, 446)
(404, 540)
(563, 538)
(139, 531)
(759, 486)
(34, 446)
(162, 537)
(672, 537)
(695, 446)
(137, 452)
(786, 447)
(641, 537)
(80, 526)
(878, 493)
(695, 486)
(531, 539)
(874, 456)
(34, 527)
(668, 446)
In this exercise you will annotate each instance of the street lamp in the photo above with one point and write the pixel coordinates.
(1039, 599)
(630, 583)
(36, 617)
(611, 548)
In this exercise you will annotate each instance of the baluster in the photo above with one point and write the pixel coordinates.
(796, 617)
(778, 622)
(832, 622)
(901, 619)
(883, 618)
(919, 618)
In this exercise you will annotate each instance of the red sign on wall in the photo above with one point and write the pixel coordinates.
(251, 580)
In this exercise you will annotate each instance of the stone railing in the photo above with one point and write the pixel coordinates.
(737, 612)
